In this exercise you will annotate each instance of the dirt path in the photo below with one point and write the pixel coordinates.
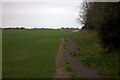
(60, 67)
(75, 63)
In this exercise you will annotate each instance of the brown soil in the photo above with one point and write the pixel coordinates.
(60, 67)
(76, 65)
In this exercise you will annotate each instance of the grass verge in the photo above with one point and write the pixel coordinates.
(106, 62)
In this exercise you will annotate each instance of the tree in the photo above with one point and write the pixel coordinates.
(103, 17)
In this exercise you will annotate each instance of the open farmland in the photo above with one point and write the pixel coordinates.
(30, 53)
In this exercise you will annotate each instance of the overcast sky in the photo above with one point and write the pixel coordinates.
(41, 13)
(45, 13)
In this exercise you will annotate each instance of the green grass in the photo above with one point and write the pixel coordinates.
(30, 53)
(94, 55)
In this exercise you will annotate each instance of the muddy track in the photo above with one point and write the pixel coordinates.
(75, 61)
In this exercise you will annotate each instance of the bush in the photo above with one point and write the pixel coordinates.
(105, 19)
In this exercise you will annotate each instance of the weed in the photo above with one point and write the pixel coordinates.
(65, 46)
(75, 54)
(67, 66)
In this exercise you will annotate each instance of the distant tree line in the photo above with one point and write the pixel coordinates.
(68, 28)
(72, 28)
(22, 28)
(13, 28)
(103, 17)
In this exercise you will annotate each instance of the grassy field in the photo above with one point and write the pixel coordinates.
(30, 53)
(106, 62)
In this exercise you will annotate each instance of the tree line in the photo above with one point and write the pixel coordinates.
(104, 18)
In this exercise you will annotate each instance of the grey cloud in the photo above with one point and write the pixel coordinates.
(42, 14)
